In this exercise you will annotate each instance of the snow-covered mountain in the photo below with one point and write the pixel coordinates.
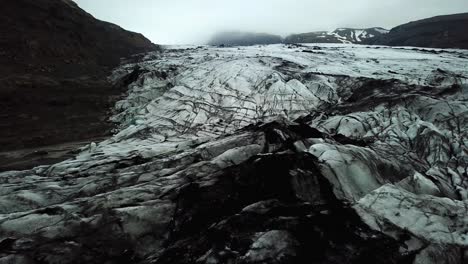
(358, 36)
(273, 154)
(340, 35)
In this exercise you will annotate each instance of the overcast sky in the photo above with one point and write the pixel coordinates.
(194, 21)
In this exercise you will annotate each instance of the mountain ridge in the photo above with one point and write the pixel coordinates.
(339, 35)
(446, 31)
(45, 33)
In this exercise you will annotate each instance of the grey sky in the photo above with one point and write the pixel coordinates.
(194, 21)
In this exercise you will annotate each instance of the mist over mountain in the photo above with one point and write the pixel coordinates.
(341, 35)
(447, 31)
(194, 22)
(237, 38)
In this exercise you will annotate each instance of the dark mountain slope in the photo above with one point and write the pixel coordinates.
(54, 60)
(449, 31)
(56, 36)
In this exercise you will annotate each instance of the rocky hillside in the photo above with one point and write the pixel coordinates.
(235, 38)
(340, 35)
(271, 154)
(438, 32)
(57, 37)
(54, 61)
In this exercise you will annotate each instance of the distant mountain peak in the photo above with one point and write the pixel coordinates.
(340, 35)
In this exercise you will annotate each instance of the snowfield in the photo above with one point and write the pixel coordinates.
(209, 136)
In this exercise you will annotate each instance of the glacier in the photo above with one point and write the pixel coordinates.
(290, 153)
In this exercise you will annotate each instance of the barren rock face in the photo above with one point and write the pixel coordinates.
(340, 154)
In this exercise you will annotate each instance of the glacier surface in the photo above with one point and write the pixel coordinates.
(226, 155)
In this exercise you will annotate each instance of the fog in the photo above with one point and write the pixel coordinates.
(194, 21)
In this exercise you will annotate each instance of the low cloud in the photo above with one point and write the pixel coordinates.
(190, 21)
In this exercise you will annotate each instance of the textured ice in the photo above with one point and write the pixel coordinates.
(390, 128)
(440, 220)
